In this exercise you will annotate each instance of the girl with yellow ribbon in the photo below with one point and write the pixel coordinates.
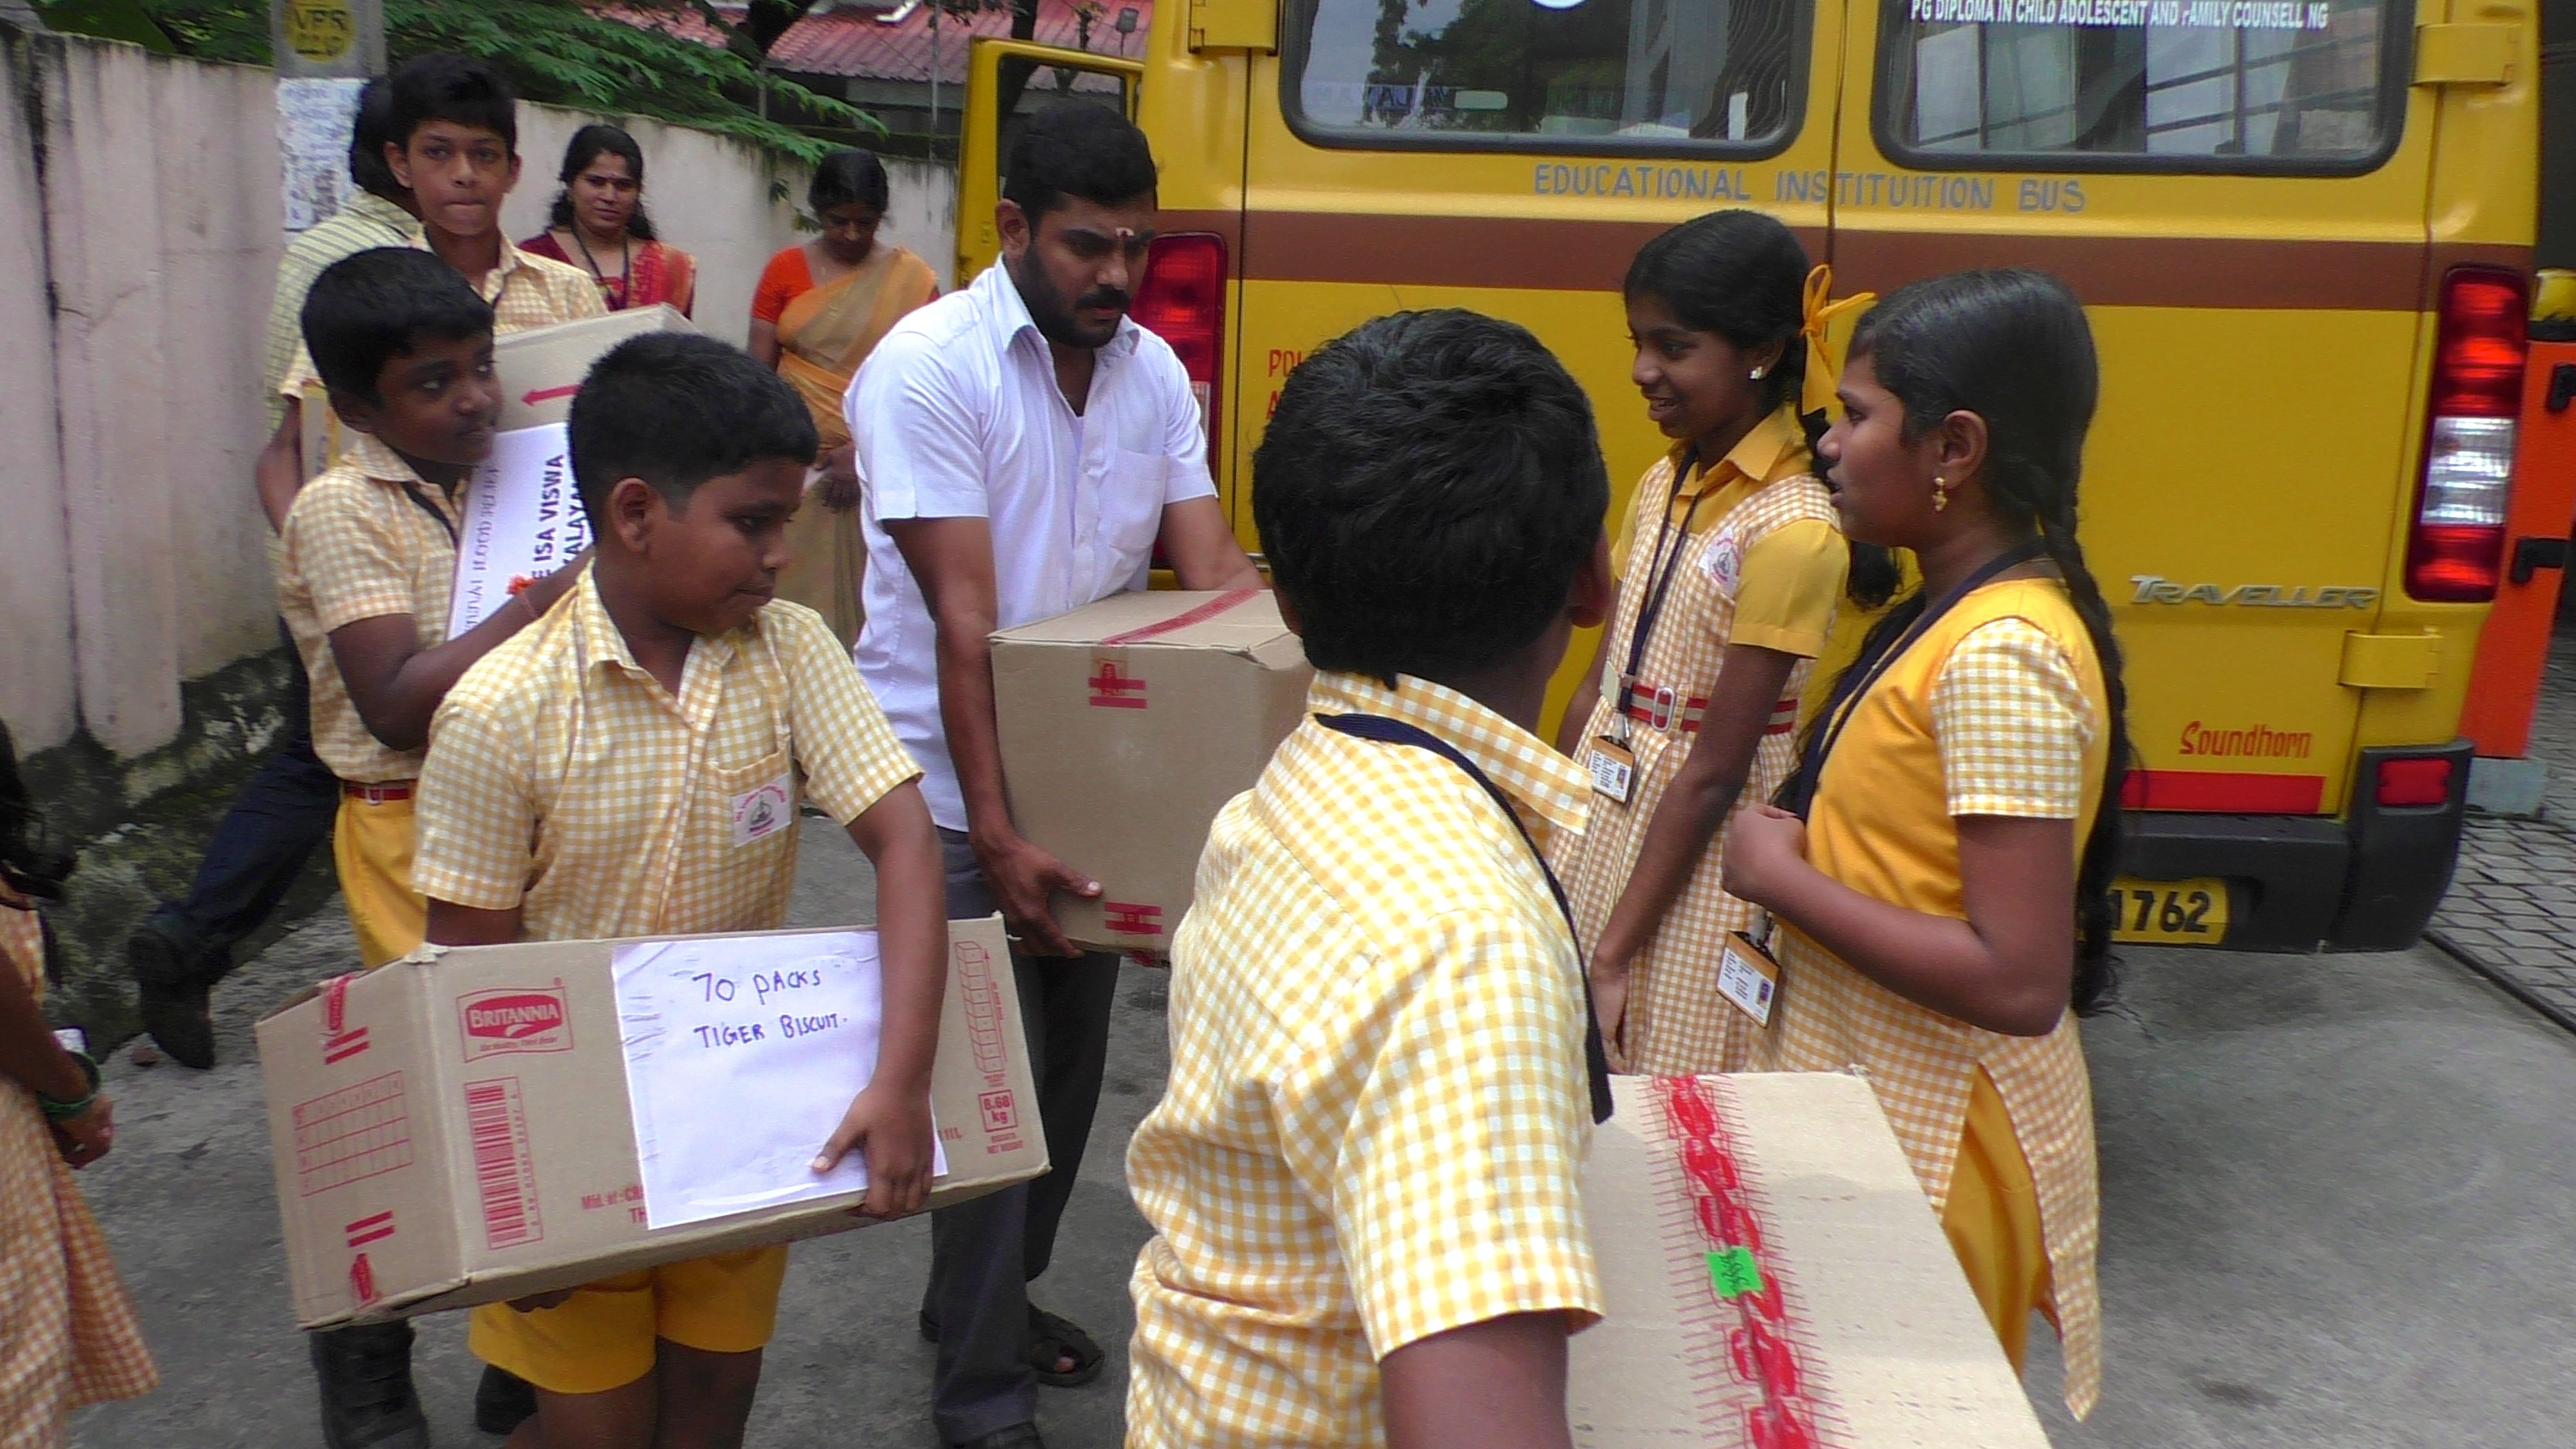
(1732, 567)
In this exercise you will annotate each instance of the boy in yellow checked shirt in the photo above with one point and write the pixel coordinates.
(1364, 1173)
(365, 561)
(601, 776)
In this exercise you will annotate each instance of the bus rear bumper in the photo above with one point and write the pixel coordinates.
(2367, 882)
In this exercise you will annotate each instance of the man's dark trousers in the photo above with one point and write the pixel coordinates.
(983, 1253)
(281, 815)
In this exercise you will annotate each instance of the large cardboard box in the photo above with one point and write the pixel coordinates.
(1776, 1280)
(456, 1127)
(540, 369)
(1126, 725)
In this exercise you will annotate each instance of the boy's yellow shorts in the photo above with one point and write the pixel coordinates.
(601, 1338)
(371, 843)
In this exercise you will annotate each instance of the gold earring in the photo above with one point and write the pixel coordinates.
(1940, 493)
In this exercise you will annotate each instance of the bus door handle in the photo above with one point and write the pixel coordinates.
(2530, 555)
(2562, 386)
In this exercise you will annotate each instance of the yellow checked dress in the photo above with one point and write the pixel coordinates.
(67, 1332)
(1764, 565)
(1996, 710)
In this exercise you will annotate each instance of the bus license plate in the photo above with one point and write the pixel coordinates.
(2170, 912)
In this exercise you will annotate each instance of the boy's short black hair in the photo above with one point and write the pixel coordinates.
(372, 131)
(1428, 488)
(1075, 149)
(676, 409)
(368, 309)
(445, 86)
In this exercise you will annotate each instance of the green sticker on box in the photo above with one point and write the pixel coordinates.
(1734, 1273)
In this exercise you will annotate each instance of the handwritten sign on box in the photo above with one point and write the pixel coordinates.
(742, 1054)
(523, 520)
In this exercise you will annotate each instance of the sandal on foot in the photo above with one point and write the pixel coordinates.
(1052, 1337)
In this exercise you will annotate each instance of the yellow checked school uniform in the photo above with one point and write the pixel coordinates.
(1750, 553)
(565, 781)
(1997, 709)
(367, 539)
(1376, 1119)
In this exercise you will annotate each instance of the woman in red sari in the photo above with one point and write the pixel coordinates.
(599, 225)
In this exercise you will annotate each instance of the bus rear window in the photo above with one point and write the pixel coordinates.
(1724, 76)
(2184, 85)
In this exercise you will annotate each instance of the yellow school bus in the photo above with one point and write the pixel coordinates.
(2302, 229)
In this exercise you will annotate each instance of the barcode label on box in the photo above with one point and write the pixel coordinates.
(504, 1174)
(356, 1132)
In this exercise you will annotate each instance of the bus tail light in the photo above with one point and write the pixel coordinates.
(1182, 301)
(2456, 547)
(2415, 782)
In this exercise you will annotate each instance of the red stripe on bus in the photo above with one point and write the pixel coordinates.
(2224, 791)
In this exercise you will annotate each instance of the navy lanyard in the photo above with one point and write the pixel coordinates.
(1800, 791)
(1596, 1062)
(1659, 582)
(429, 508)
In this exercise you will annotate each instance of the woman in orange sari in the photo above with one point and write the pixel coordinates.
(821, 308)
(599, 225)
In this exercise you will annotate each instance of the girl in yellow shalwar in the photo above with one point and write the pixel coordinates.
(1731, 568)
(1946, 897)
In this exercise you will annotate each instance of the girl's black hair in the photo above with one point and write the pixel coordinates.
(1743, 275)
(2012, 346)
(588, 145)
(29, 861)
(846, 176)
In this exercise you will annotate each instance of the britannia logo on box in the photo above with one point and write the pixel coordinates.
(515, 1019)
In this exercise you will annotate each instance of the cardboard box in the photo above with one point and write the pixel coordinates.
(1126, 725)
(455, 1128)
(540, 369)
(1775, 1278)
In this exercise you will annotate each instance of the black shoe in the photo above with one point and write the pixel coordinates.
(503, 1401)
(1018, 1436)
(367, 1397)
(171, 996)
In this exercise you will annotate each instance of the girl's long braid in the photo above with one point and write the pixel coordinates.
(2051, 509)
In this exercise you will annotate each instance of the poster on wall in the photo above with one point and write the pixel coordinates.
(314, 120)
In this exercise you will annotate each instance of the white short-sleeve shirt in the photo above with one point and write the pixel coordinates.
(957, 415)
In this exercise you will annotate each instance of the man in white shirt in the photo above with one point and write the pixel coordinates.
(1024, 447)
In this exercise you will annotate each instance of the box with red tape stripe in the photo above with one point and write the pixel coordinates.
(1125, 726)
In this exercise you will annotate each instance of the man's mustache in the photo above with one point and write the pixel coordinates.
(1104, 298)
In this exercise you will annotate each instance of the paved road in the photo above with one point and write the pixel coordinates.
(2338, 1202)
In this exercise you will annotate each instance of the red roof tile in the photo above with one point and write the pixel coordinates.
(875, 44)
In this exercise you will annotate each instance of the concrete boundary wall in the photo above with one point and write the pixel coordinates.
(139, 237)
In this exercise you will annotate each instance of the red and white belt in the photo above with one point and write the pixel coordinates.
(1666, 708)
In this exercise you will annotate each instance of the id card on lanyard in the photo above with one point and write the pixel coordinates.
(1609, 759)
(1748, 975)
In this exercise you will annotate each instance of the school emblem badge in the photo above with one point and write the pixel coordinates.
(1723, 562)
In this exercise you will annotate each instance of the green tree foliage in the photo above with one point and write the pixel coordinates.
(571, 54)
